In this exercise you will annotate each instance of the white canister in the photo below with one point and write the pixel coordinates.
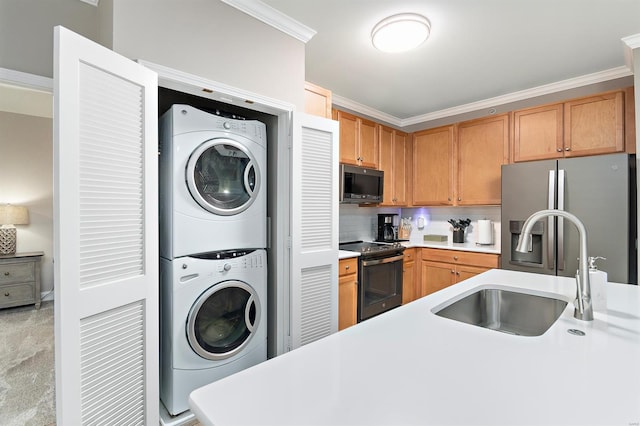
(598, 280)
(485, 232)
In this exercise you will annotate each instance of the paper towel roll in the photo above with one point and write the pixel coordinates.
(485, 231)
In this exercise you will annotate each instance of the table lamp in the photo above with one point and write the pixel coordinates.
(11, 215)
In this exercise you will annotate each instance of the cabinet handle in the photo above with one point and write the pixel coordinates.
(347, 267)
(453, 272)
(455, 257)
(567, 148)
(559, 149)
(449, 199)
(458, 273)
(6, 274)
(459, 199)
(7, 294)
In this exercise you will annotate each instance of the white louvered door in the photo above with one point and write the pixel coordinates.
(105, 236)
(314, 229)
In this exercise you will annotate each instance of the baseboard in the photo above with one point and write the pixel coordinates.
(46, 296)
(183, 419)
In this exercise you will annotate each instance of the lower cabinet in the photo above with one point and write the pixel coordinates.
(347, 293)
(442, 268)
(409, 278)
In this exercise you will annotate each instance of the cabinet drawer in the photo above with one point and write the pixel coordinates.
(11, 294)
(17, 272)
(348, 266)
(461, 257)
(409, 255)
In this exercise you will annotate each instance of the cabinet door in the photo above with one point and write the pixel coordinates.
(348, 138)
(436, 276)
(400, 165)
(433, 167)
(482, 150)
(386, 164)
(409, 293)
(594, 125)
(368, 143)
(347, 301)
(463, 272)
(317, 100)
(538, 133)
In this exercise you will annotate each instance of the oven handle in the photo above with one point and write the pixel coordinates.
(380, 261)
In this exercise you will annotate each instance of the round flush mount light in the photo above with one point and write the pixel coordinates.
(399, 33)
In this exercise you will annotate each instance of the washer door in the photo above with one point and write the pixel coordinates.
(223, 320)
(223, 177)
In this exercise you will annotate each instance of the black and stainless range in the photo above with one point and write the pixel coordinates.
(379, 276)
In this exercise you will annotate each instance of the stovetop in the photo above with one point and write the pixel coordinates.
(365, 248)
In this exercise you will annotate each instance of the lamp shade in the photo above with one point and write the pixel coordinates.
(13, 215)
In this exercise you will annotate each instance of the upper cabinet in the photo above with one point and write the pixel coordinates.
(483, 147)
(585, 126)
(433, 167)
(358, 140)
(460, 164)
(317, 100)
(394, 161)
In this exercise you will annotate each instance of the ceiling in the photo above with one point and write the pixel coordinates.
(479, 52)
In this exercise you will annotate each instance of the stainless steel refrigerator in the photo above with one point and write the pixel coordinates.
(600, 190)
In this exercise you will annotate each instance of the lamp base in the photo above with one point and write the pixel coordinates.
(7, 241)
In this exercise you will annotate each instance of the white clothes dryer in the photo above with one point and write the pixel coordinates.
(213, 320)
(212, 183)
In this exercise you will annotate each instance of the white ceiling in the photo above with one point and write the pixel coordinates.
(478, 50)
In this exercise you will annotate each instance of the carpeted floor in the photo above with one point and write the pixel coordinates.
(27, 383)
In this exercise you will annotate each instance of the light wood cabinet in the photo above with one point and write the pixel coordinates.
(317, 100)
(442, 268)
(585, 126)
(409, 290)
(393, 160)
(347, 293)
(483, 147)
(433, 167)
(460, 164)
(358, 140)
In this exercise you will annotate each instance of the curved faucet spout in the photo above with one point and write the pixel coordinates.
(583, 308)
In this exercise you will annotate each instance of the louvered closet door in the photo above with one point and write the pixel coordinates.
(105, 236)
(314, 229)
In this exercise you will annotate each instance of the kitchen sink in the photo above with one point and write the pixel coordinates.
(504, 310)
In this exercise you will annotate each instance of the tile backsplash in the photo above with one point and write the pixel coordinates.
(359, 223)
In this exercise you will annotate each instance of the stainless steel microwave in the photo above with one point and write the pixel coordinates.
(359, 185)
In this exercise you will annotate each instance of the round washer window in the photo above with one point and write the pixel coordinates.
(222, 176)
(223, 320)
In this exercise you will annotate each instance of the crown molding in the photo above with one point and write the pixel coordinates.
(631, 43)
(585, 80)
(23, 79)
(273, 17)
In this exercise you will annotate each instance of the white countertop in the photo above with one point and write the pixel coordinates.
(345, 254)
(448, 245)
(409, 366)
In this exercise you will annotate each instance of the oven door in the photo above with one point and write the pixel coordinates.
(380, 287)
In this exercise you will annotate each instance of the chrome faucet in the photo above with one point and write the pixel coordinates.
(583, 308)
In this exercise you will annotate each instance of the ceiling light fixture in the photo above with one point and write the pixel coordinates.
(399, 33)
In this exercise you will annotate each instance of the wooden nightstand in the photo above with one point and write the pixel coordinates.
(20, 279)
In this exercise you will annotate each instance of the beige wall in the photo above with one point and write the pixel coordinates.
(210, 39)
(26, 179)
(26, 31)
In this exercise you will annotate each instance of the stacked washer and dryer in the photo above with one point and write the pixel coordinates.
(213, 263)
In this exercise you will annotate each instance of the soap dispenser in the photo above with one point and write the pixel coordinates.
(598, 280)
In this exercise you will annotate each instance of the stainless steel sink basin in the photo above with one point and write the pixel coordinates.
(506, 311)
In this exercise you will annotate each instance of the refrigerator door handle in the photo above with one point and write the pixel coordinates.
(561, 174)
(550, 220)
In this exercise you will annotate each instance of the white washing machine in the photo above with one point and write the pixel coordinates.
(212, 183)
(213, 320)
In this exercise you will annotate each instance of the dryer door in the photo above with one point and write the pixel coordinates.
(223, 320)
(223, 176)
